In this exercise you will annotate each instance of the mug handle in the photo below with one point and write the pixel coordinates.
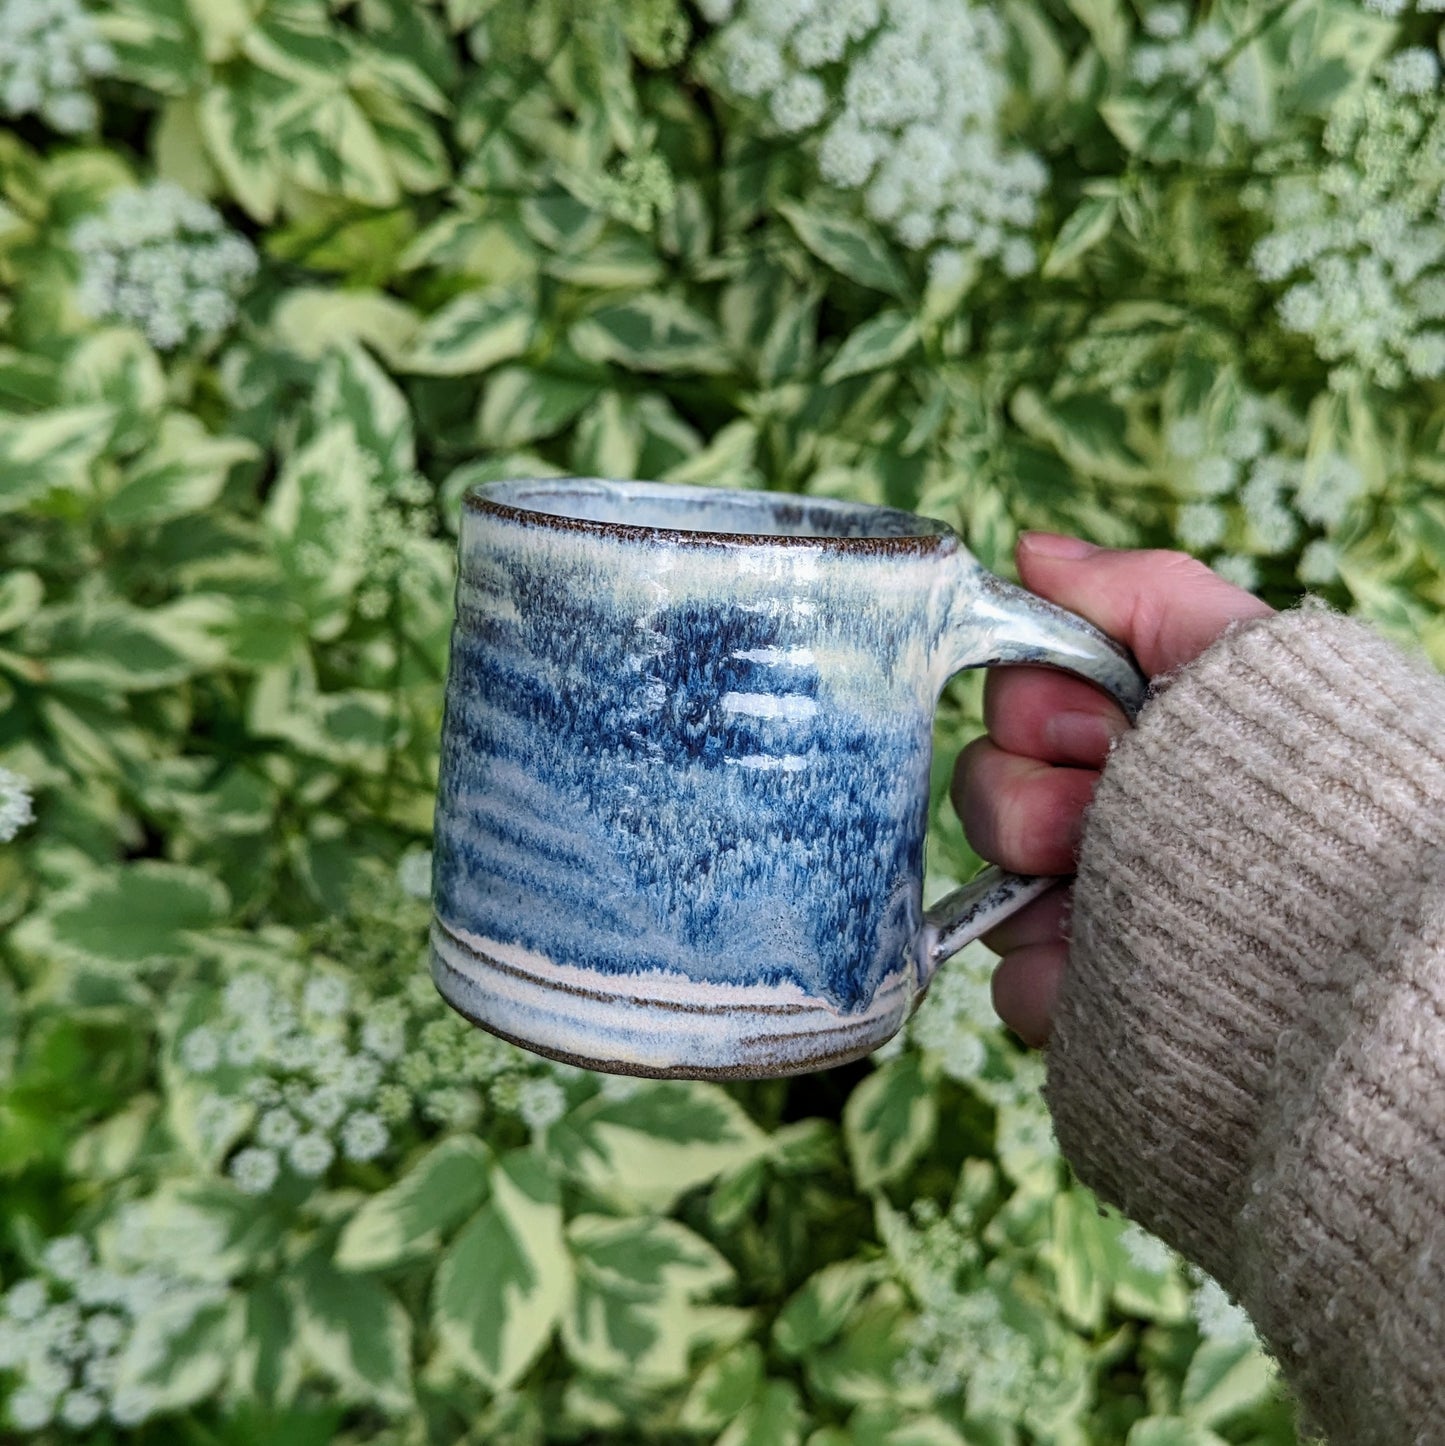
(1017, 627)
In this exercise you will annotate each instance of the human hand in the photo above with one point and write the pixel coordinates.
(1022, 790)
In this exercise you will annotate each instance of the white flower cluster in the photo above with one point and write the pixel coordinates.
(960, 1340)
(1250, 487)
(49, 51)
(398, 533)
(956, 1017)
(162, 260)
(313, 1067)
(64, 1332)
(1359, 242)
(452, 1073)
(1217, 1316)
(1176, 60)
(413, 874)
(16, 804)
(906, 99)
(637, 190)
(303, 1068)
(1146, 1251)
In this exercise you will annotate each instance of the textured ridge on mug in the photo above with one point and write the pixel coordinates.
(707, 1031)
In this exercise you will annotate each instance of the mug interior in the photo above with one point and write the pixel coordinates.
(716, 511)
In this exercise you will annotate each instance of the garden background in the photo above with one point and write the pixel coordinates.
(280, 279)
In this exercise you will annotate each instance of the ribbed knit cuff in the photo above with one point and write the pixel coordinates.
(1341, 1233)
(1242, 838)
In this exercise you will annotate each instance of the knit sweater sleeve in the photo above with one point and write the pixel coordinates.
(1248, 1055)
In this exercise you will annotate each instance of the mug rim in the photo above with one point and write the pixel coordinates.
(506, 499)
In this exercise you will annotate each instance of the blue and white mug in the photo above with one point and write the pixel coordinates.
(685, 770)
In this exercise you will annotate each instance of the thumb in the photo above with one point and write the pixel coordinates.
(1165, 607)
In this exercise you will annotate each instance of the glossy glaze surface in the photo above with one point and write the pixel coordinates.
(685, 770)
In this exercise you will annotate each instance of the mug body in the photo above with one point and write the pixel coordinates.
(684, 774)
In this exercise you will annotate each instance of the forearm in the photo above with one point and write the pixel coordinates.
(1247, 850)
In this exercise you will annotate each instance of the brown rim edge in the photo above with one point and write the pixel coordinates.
(917, 544)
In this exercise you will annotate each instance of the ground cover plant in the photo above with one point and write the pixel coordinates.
(279, 279)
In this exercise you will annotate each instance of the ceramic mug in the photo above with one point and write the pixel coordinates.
(685, 770)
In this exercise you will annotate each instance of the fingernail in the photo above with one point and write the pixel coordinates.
(1080, 737)
(1055, 544)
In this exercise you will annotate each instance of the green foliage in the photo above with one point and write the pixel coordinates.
(255, 1182)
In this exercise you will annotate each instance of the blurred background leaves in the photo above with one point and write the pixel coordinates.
(279, 279)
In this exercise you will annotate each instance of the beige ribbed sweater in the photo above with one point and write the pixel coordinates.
(1248, 1056)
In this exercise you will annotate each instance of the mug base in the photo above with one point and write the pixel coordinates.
(658, 1027)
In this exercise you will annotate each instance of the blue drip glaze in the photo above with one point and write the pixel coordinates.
(614, 766)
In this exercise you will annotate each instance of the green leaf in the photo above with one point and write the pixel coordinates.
(355, 1332)
(413, 149)
(1078, 1252)
(1224, 1379)
(776, 1418)
(648, 1256)
(399, 77)
(353, 389)
(722, 1389)
(52, 450)
(928, 1431)
(139, 915)
(881, 341)
(504, 1283)
(353, 726)
(819, 1309)
(727, 461)
(1171, 1431)
(220, 25)
(311, 319)
(236, 123)
(155, 45)
(889, 1120)
(134, 650)
(27, 383)
(654, 332)
(658, 1143)
(1088, 430)
(295, 43)
(632, 1312)
(1108, 25)
(852, 247)
(735, 1194)
(1153, 1290)
(183, 470)
(329, 146)
(1091, 220)
(318, 513)
(865, 1363)
(607, 441)
(21, 593)
(475, 331)
(217, 1230)
(1149, 125)
(520, 405)
(618, 260)
(179, 1351)
(116, 367)
(790, 345)
(267, 1366)
(409, 1218)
